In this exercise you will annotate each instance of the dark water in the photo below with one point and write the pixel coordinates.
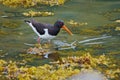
(90, 11)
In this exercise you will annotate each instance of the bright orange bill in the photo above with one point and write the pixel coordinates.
(65, 28)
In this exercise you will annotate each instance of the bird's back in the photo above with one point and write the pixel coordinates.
(39, 27)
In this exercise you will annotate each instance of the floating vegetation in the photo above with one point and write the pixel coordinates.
(90, 31)
(101, 63)
(10, 70)
(109, 29)
(118, 21)
(112, 15)
(51, 2)
(116, 10)
(86, 61)
(18, 3)
(61, 69)
(39, 52)
(36, 51)
(33, 13)
(30, 3)
(3, 32)
(10, 24)
(74, 23)
(115, 53)
(1, 13)
(108, 15)
(3, 54)
(117, 28)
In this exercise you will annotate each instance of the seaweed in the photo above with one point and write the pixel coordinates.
(60, 69)
(30, 3)
(35, 13)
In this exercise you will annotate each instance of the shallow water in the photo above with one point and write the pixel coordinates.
(89, 11)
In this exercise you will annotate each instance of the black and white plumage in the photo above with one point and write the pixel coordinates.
(47, 31)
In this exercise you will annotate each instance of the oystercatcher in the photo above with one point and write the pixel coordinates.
(47, 31)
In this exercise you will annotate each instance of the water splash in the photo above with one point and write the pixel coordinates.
(93, 39)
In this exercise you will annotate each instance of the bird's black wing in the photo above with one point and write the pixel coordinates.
(39, 27)
(51, 29)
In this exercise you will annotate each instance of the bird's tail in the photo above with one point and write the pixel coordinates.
(27, 21)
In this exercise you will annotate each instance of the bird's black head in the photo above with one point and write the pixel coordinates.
(59, 23)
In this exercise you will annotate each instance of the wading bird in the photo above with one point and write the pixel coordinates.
(47, 31)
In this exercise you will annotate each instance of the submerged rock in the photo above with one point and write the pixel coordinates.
(88, 75)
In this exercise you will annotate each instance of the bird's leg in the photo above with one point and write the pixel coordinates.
(38, 40)
(38, 45)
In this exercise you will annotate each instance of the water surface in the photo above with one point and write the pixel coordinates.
(90, 11)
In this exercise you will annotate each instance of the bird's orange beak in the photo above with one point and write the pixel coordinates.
(65, 28)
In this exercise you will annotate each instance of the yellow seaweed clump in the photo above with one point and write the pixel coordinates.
(61, 69)
(18, 3)
(117, 28)
(45, 72)
(74, 23)
(33, 13)
(30, 3)
(51, 2)
(86, 61)
(2, 64)
(37, 51)
(10, 24)
(3, 32)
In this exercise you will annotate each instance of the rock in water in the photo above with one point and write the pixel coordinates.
(88, 75)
